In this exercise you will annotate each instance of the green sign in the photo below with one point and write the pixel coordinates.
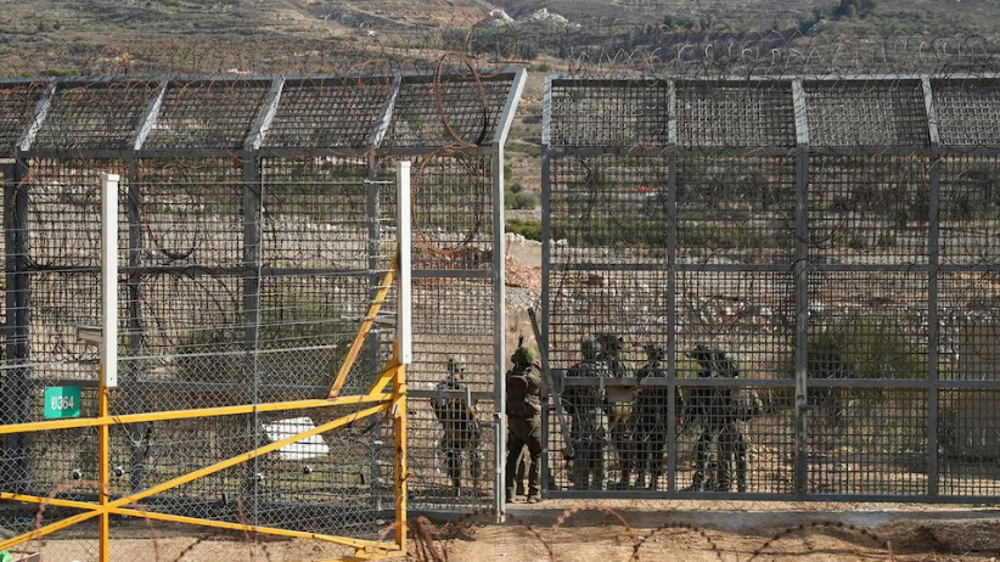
(62, 402)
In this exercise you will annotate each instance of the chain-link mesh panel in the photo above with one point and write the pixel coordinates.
(625, 114)
(17, 107)
(720, 114)
(100, 116)
(207, 114)
(968, 112)
(871, 210)
(448, 110)
(333, 113)
(452, 320)
(450, 459)
(339, 482)
(882, 113)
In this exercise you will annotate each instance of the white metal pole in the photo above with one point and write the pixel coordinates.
(109, 279)
(404, 334)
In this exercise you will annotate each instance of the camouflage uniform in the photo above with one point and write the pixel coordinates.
(620, 414)
(651, 427)
(722, 413)
(461, 428)
(524, 423)
(583, 405)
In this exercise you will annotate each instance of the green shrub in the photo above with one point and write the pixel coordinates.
(532, 230)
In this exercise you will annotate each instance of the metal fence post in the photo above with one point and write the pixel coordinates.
(671, 286)
(933, 329)
(801, 287)
(16, 392)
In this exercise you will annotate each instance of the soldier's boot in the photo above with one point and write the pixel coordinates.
(741, 463)
(654, 477)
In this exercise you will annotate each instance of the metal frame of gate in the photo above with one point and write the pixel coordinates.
(794, 126)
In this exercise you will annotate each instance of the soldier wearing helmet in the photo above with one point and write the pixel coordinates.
(583, 404)
(461, 428)
(524, 425)
(619, 408)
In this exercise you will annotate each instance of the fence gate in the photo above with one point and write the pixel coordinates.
(783, 288)
(258, 389)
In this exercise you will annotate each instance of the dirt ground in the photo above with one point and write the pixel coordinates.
(617, 531)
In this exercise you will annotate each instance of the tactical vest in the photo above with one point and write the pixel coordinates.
(524, 394)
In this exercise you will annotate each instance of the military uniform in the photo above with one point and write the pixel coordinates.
(651, 415)
(524, 423)
(620, 412)
(722, 413)
(461, 429)
(583, 405)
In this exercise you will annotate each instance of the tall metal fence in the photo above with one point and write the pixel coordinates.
(258, 224)
(773, 288)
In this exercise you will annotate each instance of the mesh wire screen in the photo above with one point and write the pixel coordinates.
(328, 113)
(970, 203)
(316, 213)
(189, 213)
(721, 290)
(17, 106)
(868, 210)
(847, 113)
(736, 209)
(459, 110)
(95, 116)
(608, 209)
(752, 114)
(620, 114)
(968, 112)
(207, 114)
(453, 212)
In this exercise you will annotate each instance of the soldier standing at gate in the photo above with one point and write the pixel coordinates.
(619, 409)
(583, 405)
(524, 424)
(721, 412)
(651, 415)
(461, 428)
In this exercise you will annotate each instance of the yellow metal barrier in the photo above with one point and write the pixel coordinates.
(394, 403)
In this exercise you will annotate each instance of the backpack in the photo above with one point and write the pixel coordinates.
(524, 390)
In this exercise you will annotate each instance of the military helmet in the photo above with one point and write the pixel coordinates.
(524, 356)
(654, 351)
(456, 366)
(609, 341)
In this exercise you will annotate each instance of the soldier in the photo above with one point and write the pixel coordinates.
(619, 409)
(461, 428)
(583, 405)
(721, 412)
(651, 428)
(524, 424)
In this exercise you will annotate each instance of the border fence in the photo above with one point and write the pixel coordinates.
(257, 237)
(773, 287)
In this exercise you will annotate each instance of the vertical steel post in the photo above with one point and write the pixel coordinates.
(499, 325)
(374, 344)
(799, 104)
(252, 205)
(546, 264)
(16, 392)
(140, 449)
(671, 286)
(403, 348)
(109, 343)
(933, 329)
